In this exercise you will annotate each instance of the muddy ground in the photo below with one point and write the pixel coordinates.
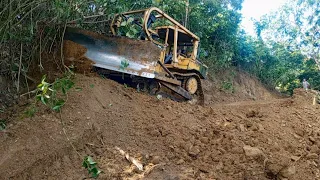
(273, 138)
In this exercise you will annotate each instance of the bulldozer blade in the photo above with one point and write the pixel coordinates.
(178, 89)
(120, 54)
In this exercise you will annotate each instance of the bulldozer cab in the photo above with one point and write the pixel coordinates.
(179, 46)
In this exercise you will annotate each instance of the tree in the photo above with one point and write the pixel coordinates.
(297, 25)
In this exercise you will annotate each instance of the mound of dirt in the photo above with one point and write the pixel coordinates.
(243, 87)
(271, 139)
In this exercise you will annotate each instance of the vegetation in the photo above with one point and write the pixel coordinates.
(3, 125)
(287, 47)
(281, 55)
(53, 95)
(91, 166)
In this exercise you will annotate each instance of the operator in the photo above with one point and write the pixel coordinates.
(305, 84)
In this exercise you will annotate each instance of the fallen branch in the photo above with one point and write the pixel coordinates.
(131, 159)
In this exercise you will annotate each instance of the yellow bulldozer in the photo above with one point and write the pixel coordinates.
(148, 45)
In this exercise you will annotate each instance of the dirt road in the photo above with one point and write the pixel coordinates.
(244, 140)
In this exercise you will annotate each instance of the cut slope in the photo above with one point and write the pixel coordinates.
(184, 141)
(243, 87)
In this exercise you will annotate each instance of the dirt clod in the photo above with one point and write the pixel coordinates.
(312, 156)
(288, 172)
(194, 151)
(252, 151)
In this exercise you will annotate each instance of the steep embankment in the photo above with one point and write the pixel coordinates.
(224, 89)
(243, 140)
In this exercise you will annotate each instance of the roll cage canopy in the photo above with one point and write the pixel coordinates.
(170, 34)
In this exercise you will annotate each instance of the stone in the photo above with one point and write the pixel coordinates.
(194, 151)
(312, 156)
(300, 132)
(312, 139)
(295, 158)
(204, 140)
(261, 128)
(255, 127)
(288, 172)
(155, 160)
(252, 113)
(205, 168)
(241, 127)
(180, 161)
(252, 151)
(314, 149)
(276, 163)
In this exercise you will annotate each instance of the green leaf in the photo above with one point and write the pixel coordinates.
(90, 160)
(2, 125)
(130, 20)
(123, 23)
(92, 85)
(43, 100)
(63, 90)
(58, 105)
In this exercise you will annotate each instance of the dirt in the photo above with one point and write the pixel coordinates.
(256, 139)
(243, 87)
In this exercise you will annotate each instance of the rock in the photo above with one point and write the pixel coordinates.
(312, 139)
(181, 161)
(155, 160)
(155, 132)
(194, 151)
(249, 124)
(276, 163)
(252, 113)
(162, 116)
(300, 132)
(88, 118)
(314, 149)
(288, 172)
(204, 140)
(255, 127)
(168, 107)
(261, 128)
(295, 158)
(296, 136)
(205, 168)
(312, 156)
(252, 151)
(241, 127)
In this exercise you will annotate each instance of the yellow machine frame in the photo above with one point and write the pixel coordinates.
(178, 62)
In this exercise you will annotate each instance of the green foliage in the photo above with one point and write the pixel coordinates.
(91, 166)
(3, 125)
(283, 53)
(54, 95)
(124, 64)
(228, 86)
(129, 29)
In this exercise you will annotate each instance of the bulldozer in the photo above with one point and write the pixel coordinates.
(149, 46)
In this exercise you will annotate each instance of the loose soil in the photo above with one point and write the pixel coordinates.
(263, 139)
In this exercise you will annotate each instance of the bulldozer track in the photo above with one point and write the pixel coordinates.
(184, 77)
